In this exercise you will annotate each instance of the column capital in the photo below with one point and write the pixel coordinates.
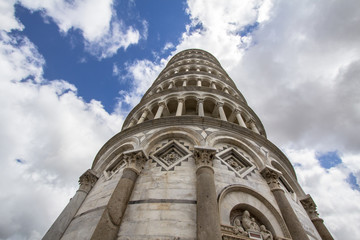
(200, 100)
(204, 156)
(135, 160)
(161, 103)
(310, 207)
(237, 110)
(219, 104)
(87, 180)
(271, 176)
(181, 99)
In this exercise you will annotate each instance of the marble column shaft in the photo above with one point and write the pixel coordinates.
(221, 112)
(208, 223)
(110, 221)
(201, 107)
(310, 207)
(87, 181)
(294, 225)
(180, 107)
(239, 118)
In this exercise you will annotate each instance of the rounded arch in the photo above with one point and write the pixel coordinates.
(230, 138)
(244, 197)
(297, 189)
(172, 132)
(103, 160)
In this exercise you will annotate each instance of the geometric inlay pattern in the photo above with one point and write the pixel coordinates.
(170, 155)
(236, 162)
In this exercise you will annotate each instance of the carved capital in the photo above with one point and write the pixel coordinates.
(310, 207)
(237, 110)
(135, 160)
(204, 156)
(200, 100)
(271, 176)
(219, 104)
(87, 180)
(162, 103)
(181, 100)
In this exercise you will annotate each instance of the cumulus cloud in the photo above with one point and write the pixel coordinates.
(47, 138)
(142, 74)
(297, 64)
(104, 33)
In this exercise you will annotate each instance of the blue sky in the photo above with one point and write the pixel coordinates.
(66, 59)
(70, 71)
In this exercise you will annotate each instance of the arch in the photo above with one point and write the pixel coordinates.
(172, 132)
(243, 197)
(297, 189)
(100, 163)
(209, 106)
(190, 105)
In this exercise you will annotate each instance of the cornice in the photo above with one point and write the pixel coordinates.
(196, 121)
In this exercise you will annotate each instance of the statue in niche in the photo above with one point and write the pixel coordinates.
(249, 223)
(238, 229)
(266, 234)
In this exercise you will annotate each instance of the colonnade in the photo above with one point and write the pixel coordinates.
(218, 111)
(198, 82)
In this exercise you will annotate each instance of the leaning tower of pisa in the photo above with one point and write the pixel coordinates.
(192, 162)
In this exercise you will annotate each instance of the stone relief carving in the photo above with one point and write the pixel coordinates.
(246, 225)
(171, 157)
(87, 180)
(204, 156)
(170, 154)
(135, 159)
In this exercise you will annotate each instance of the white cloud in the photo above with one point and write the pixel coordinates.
(142, 73)
(299, 71)
(104, 33)
(7, 19)
(49, 136)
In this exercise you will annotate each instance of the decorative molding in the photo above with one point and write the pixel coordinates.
(204, 156)
(236, 162)
(271, 176)
(170, 155)
(310, 207)
(135, 160)
(87, 180)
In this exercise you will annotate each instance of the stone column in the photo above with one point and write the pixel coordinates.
(200, 102)
(132, 123)
(199, 83)
(109, 223)
(171, 85)
(207, 215)
(184, 83)
(160, 110)
(253, 126)
(310, 207)
(86, 181)
(180, 107)
(221, 111)
(143, 116)
(226, 90)
(158, 90)
(292, 222)
(213, 85)
(239, 118)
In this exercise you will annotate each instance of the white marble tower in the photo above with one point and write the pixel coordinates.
(191, 162)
